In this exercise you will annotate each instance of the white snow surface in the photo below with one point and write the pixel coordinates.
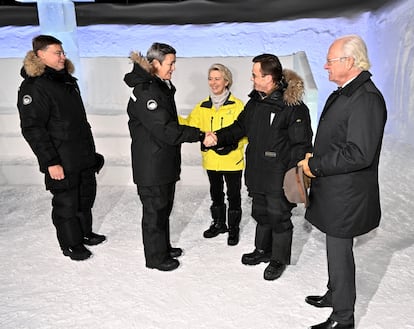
(42, 289)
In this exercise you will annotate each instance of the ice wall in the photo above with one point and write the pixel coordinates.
(58, 18)
(392, 53)
(389, 34)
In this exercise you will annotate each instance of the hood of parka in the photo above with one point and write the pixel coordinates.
(292, 93)
(142, 71)
(34, 67)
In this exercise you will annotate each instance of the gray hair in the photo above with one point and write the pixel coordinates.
(225, 71)
(355, 47)
(158, 51)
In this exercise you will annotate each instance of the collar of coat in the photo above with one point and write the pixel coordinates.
(292, 94)
(350, 88)
(34, 67)
(209, 103)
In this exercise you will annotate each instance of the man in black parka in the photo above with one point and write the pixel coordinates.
(53, 122)
(278, 127)
(344, 195)
(156, 149)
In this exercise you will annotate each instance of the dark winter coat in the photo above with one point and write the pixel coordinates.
(275, 145)
(344, 198)
(53, 118)
(154, 129)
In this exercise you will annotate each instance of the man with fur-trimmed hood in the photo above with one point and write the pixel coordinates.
(53, 122)
(278, 127)
(156, 149)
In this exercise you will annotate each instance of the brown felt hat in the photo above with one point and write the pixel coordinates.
(295, 186)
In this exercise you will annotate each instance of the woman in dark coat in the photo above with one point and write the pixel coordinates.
(156, 149)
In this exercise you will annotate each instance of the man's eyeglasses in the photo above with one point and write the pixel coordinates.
(58, 53)
(329, 61)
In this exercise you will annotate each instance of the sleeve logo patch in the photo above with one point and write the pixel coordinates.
(152, 105)
(27, 99)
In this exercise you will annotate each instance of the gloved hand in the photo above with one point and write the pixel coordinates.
(223, 150)
(99, 162)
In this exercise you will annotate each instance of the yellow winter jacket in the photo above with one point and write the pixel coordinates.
(205, 117)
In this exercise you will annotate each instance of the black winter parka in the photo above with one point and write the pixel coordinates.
(53, 118)
(278, 128)
(153, 124)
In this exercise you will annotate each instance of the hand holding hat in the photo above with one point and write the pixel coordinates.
(295, 187)
(305, 165)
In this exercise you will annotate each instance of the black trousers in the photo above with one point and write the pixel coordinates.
(274, 227)
(157, 203)
(233, 184)
(72, 203)
(341, 271)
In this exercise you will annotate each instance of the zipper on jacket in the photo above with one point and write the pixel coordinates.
(211, 123)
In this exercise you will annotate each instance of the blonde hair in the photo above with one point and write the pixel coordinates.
(225, 71)
(353, 46)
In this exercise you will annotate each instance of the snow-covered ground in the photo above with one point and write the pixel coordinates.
(42, 289)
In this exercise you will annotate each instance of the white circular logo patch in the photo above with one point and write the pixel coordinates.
(152, 105)
(27, 99)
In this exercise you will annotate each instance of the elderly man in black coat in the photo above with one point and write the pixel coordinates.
(344, 195)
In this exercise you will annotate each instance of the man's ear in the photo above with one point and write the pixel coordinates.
(351, 62)
(156, 63)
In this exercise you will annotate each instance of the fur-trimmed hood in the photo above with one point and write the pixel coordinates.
(34, 67)
(142, 71)
(140, 59)
(292, 90)
(293, 94)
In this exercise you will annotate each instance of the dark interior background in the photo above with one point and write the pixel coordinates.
(192, 11)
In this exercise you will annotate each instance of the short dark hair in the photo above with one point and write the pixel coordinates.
(41, 42)
(158, 51)
(270, 64)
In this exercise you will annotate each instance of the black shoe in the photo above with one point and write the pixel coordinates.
(233, 238)
(256, 257)
(176, 252)
(92, 239)
(169, 264)
(331, 324)
(215, 229)
(274, 270)
(78, 252)
(319, 301)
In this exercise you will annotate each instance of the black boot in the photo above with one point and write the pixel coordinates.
(78, 252)
(234, 217)
(218, 213)
(89, 238)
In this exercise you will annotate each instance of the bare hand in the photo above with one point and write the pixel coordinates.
(56, 172)
(305, 164)
(210, 139)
